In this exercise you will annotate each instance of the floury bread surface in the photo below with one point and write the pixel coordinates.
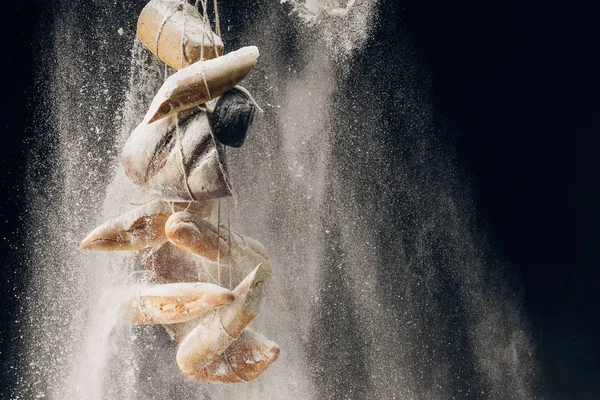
(217, 330)
(244, 360)
(197, 236)
(201, 82)
(140, 228)
(177, 158)
(173, 302)
(175, 32)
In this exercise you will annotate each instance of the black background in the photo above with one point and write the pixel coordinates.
(517, 85)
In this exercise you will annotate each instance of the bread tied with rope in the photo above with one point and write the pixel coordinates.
(205, 283)
(201, 82)
(164, 24)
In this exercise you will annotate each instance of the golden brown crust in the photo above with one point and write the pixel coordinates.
(140, 228)
(244, 360)
(173, 303)
(195, 235)
(162, 29)
(201, 82)
(189, 232)
(218, 329)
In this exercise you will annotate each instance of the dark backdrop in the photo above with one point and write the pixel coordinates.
(519, 85)
(516, 85)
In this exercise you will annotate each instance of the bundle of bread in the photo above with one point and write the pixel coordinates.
(176, 154)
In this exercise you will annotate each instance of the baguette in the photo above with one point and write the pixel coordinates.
(201, 82)
(138, 229)
(173, 302)
(197, 236)
(143, 227)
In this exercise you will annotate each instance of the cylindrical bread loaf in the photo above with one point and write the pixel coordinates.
(138, 229)
(171, 29)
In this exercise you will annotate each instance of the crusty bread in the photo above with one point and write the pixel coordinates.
(218, 329)
(172, 302)
(177, 159)
(140, 228)
(244, 360)
(192, 233)
(201, 82)
(170, 29)
(143, 227)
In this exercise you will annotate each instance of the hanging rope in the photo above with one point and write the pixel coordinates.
(151, 277)
(206, 25)
(219, 241)
(203, 29)
(182, 159)
(177, 130)
(229, 243)
(217, 22)
(162, 25)
(141, 305)
(203, 75)
(250, 97)
(208, 270)
(228, 228)
(183, 33)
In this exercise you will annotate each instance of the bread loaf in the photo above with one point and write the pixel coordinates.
(201, 82)
(171, 29)
(173, 302)
(177, 158)
(244, 360)
(218, 329)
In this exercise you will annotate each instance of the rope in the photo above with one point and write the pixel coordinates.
(208, 270)
(228, 227)
(162, 25)
(247, 93)
(206, 22)
(229, 243)
(183, 33)
(203, 75)
(217, 22)
(241, 239)
(212, 36)
(219, 241)
(139, 298)
(140, 307)
(184, 171)
(203, 28)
